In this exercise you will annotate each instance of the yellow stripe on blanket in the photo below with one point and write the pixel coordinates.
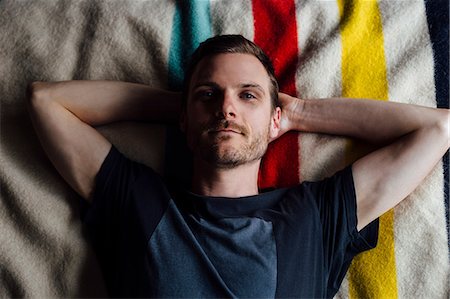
(372, 274)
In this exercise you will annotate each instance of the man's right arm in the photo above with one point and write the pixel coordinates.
(401, 132)
(64, 115)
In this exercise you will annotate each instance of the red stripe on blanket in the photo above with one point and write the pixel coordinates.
(276, 33)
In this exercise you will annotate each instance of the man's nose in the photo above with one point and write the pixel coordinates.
(227, 106)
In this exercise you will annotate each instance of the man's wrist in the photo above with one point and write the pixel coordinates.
(294, 113)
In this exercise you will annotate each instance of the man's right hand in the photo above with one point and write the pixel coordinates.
(291, 108)
(64, 114)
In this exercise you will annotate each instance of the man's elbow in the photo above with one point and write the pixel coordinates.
(443, 123)
(37, 92)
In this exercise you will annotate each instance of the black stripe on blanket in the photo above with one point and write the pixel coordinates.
(438, 25)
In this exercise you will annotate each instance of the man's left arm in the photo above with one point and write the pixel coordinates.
(412, 140)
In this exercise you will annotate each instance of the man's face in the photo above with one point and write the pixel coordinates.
(229, 119)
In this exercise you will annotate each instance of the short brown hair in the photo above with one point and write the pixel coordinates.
(231, 44)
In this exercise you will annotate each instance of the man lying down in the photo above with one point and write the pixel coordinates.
(223, 237)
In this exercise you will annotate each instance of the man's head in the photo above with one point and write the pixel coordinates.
(230, 112)
(223, 44)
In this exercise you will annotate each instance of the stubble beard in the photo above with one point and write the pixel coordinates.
(231, 157)
(226, 156)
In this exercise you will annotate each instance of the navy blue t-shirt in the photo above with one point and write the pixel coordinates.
(292, 242)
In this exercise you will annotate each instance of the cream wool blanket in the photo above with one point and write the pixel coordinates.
(385, 50)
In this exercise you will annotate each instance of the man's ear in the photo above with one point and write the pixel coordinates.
(275, 123)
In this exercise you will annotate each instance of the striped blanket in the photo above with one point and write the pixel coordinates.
(386, 50)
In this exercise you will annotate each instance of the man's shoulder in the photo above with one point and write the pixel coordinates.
(121, 177)
(342, 178)
(313, 194)
(118, 164)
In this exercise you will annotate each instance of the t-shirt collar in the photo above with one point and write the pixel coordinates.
(223, 207)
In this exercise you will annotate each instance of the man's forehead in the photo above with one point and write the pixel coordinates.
(243, 69)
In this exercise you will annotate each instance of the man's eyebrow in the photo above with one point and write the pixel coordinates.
(207, 83)
(253, 85)
(242, 85)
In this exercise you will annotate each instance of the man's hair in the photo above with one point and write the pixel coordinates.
(222, 44)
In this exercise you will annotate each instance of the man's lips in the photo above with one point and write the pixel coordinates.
(226, 131)
(225, 127)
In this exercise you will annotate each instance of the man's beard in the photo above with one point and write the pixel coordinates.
(211, 149)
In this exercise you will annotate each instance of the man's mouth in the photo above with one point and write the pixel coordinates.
(225, 131)
(226, 127)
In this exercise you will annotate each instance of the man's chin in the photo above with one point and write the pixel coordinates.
(228, 159)
(221, 157)
(228, 152)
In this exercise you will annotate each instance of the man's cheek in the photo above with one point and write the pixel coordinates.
(194, 132)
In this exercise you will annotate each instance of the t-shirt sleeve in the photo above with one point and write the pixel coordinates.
(336, 201)
(123, 189)
(114, 181)
(128, 202)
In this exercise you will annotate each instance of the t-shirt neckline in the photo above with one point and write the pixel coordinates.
(223, 207)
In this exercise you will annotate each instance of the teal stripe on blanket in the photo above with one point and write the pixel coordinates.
(191, 26)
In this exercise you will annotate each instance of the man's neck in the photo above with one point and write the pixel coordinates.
(239, 181)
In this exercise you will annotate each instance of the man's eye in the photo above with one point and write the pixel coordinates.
(205, 95)
(248, 96)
